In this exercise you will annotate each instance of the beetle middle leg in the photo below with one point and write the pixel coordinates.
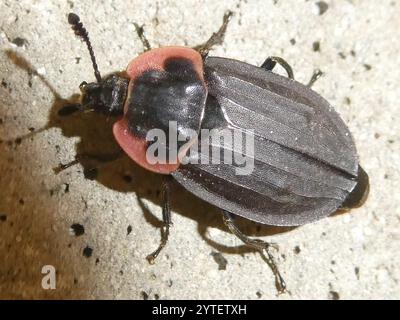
(315, 76)
(259, 245)
(216, 38)
(142, 37)
(271, 62)
(166, 214)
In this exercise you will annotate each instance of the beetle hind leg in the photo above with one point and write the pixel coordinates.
(271, 62)
(217, 37)
(166, 214)
(259, 245)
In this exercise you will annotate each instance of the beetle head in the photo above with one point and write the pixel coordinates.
(107, 96)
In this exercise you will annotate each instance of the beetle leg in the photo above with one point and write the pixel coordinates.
(217, 37)
(99, 159)
(142, 37)
(316, 75)
(166, 214)
(259, 245)
(271, 62)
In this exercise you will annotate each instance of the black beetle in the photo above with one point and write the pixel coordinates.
(305, 164)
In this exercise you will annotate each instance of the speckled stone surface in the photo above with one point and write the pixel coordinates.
(349, 256)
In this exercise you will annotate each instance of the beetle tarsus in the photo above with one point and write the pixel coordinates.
(62, 167)
(259, 245)
(217, 38)
(271, 62)
(166, 214)
(280, 283)
(142, 36)
(164, 239)
(99, 159)
(315, 76)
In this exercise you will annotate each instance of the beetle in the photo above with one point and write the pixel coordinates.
(305, 160)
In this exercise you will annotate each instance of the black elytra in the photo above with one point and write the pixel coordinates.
(305, 161)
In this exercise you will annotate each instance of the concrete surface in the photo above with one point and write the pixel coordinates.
(349, 256)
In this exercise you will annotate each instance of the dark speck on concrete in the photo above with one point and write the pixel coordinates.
(156, 296)
(367, 66)
(220, 260)
(66, 187)
(77, 229)
(20, 42)
(292, 41)
(3, 217)
(259, 294)
(128, 230)
(97, 261)
(333, 295)
(87, 252)
(297, 250)
(316, 46)
(145, 296)
(322, 7)
(90, 173)
(21, 202)
(357, 272)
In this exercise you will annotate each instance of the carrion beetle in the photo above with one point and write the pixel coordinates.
(305, 163)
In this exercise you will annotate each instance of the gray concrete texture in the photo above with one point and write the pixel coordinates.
(348, 256)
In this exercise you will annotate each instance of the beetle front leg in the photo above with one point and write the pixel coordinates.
(100, 160)
(271, 62)
(217, 37)
(259, 245)
(166, 214)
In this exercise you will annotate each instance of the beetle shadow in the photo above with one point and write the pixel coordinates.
(123, 175)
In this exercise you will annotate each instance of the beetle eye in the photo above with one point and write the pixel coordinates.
(82, 85)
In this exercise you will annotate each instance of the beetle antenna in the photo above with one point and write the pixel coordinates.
(80, 31)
